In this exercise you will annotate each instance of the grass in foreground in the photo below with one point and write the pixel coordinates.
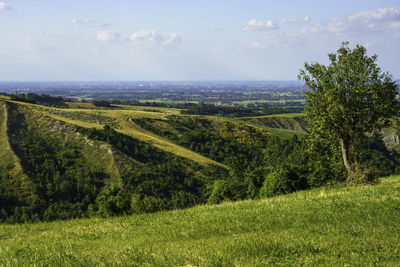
(339, 226)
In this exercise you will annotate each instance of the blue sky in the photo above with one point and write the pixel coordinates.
(188, 40)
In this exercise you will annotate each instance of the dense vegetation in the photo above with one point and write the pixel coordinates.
(237, 111)
(42, 99)
(263, 165)
(102, 103)
(164, 181)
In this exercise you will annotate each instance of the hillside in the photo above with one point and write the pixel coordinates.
(283, 125)
(338, 226)
(82, 161)
(60, 163)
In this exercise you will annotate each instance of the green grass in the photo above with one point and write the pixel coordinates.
(5, 151)
(283, 134)
(170, 111)
(166, 100)
(245, 102)
(80, 105)
(7, 155)
(282, 125)
(354, 226)
(286, 127)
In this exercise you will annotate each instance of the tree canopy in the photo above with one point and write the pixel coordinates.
(348, 97)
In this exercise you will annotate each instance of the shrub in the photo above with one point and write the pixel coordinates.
(147, 204)
(220, 192)
(112, 200)
(282, 180)
(254, 179)
(363, 175)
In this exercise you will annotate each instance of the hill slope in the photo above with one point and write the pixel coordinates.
(326, 226)
(64, 163)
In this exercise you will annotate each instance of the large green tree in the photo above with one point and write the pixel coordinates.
(347, 98)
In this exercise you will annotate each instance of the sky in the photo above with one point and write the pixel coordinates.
(129, 40)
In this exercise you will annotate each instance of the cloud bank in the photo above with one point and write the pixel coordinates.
(108, 36)
(142, 39)
(359, 22)
(254, 25)
(4, 6)
(154, 37)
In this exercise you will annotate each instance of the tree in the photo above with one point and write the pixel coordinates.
(348, 98)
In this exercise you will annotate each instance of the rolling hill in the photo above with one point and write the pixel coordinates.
(54, 160)
(60, 163)
(338, 226)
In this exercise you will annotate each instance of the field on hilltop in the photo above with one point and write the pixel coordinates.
(324, 226)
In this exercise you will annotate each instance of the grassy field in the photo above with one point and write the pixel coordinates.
(5, 151)
(80, 105)
(7, 155)
(282, 133)
(282, 125)
(245, 102)
(340, 226)
(285, 126)
(165, 100)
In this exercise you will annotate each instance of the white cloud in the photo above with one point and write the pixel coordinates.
(90, 22)
(142, 39)
(154, 38)
(280, 39)
(4, 6)
(254, 25)
(299, 20)
(108, 36)
(359, 22)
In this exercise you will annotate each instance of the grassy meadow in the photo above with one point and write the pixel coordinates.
(341, 226)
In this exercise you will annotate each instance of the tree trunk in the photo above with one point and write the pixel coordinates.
(345, 154)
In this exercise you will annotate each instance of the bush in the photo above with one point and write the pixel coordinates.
(254, 179)
(112, 201)
(282, 180)
(363, 175)
(220, 192)
(147, 204)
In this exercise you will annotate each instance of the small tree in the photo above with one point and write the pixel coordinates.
(347, 98)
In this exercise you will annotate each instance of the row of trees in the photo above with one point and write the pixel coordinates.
(211, 109)
(42, 99)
